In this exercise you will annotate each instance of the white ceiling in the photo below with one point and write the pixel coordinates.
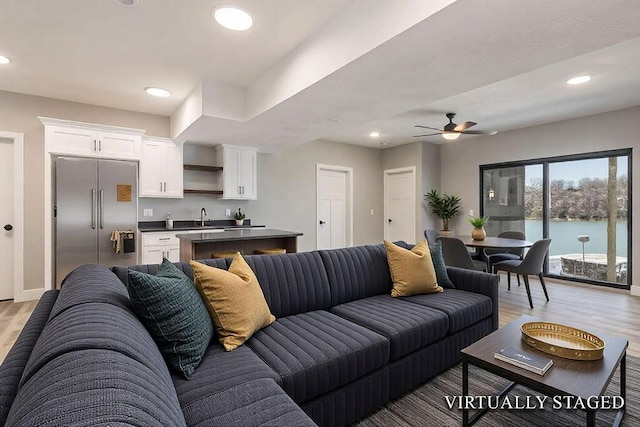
(328, 69)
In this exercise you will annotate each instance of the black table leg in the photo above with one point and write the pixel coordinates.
(591, 418)
(623, 389)
(465, 392)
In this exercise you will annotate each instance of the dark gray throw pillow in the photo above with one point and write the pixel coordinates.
(439, 266)
(169, 306)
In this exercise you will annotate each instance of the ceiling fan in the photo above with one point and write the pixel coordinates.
(453, 131)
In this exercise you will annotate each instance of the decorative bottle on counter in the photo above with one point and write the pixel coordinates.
(169, 223)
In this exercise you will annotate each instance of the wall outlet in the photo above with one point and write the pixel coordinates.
(148, 212)
(227, 212)
(471, 212)
(372, 212)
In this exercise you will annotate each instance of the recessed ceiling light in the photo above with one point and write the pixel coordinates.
(578, 80)
(4, 60)
(128, 3)
(157, 91)
(232, 17)
(374, 134)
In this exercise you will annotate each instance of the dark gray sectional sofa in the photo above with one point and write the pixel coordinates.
(340, 348)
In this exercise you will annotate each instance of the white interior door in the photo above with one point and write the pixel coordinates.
(334, 215)
(400, 204)
(11, 235)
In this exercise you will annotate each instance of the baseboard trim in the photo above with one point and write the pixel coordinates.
(28, 295)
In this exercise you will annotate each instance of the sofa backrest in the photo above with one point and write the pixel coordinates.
(356, 272)
(122, 271)
(292, 283)
(119, 375)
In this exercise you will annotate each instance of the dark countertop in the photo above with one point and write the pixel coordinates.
(216, 224)
(241, 234)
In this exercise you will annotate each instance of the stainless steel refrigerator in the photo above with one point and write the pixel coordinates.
(93, 199)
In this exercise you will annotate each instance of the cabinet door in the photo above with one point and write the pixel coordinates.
(77, 141)
(152, 254)
(231, 171)
(248, 175)
(173, 253)
(151, 169)
(115, 145)
(173, 171)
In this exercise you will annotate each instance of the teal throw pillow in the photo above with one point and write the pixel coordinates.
(439, 266)
(169, 306)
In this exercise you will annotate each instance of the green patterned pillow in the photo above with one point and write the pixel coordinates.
(169, 306)
(439, 266)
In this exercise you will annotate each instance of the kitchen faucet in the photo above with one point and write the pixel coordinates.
(203, 213)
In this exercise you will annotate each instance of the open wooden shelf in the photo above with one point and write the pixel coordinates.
(202, 168)
(202, 191)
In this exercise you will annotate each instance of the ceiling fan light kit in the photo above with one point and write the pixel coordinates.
(452, 131)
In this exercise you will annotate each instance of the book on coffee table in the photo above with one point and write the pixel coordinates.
(524, 359)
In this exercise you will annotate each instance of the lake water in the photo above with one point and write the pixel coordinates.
(564, 236)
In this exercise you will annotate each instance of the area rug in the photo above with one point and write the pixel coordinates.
(427, 406)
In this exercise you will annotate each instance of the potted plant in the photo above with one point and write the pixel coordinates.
(478, 232)
(444, 206)
(239, 216)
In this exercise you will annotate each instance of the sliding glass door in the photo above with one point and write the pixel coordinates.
(581, 202)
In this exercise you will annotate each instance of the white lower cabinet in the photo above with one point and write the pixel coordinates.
(159, 245)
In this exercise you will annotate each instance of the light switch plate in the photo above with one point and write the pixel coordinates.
(228, 212)
(148, 212)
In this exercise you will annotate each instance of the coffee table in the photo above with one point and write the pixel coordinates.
(580, 379)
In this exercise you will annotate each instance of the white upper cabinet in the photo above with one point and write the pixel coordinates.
(66, 137)
(239, 174)
(160, 168)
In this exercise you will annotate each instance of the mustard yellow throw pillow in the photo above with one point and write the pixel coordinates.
(412, 270)
(234, 299)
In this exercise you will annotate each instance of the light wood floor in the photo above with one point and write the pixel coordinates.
(589, 307)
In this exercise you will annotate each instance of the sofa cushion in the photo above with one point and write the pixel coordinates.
(412, 270)
(406, 326)
(356, 272)
(123, 271)
(12, 368)
(461, 307)
(256, 403)
(221, 370)
(317, 352)
(90, 387)
(171, 309)
(439, 266)
(292, 283)
(234, 300)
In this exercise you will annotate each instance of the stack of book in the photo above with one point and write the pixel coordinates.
(524, 359)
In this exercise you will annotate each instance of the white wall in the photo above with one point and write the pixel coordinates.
(460, 160)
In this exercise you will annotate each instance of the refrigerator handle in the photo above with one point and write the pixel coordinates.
(94, 205)
(101, 209)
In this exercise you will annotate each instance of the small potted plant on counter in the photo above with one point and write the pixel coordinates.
(239, 216)
(478, 223)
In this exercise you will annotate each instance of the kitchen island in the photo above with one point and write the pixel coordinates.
(245, 241)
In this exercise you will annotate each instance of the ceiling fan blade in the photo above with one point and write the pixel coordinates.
(427, 127)
(464, 126)
(431, 134)
(479, 132)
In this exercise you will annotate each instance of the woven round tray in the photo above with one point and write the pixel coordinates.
(563, 341)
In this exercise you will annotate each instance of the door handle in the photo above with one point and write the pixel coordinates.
(389, 220)
(322, 222)
(8, 227)
(101, 209)
(94, 205)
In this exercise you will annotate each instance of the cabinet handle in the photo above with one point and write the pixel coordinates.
(165, 187)
(94, 145)
(164, 238)
(161, 186)
(163, 255)
(99, 145)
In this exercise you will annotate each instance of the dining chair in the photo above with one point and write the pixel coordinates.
(430, 235)
(455, 254)
(497, 255)
(531, 264)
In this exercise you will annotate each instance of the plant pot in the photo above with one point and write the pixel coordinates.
(239, 221)
(445, 233)
(478, 233)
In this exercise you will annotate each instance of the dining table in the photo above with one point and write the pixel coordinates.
(494, 243)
